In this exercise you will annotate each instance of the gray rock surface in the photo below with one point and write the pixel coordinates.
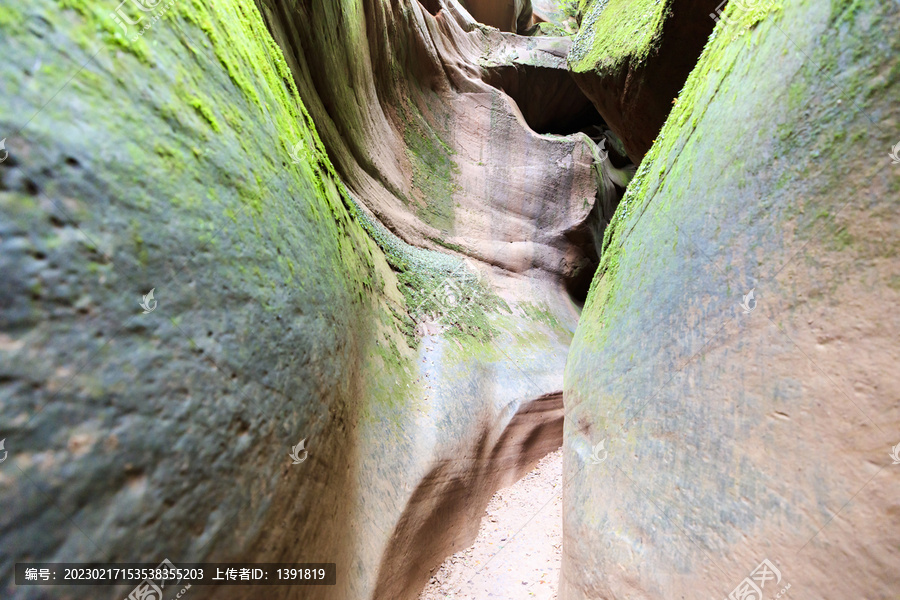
(184, 160)
(735, 437)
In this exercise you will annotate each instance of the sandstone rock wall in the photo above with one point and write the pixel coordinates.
(194, 158)
(181, 160)
(735, 436)
(445, 160)
(632, 57)
(425, 141)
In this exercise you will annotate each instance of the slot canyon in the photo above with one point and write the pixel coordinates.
(335, 286)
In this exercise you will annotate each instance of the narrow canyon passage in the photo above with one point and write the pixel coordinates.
(518, 550)
(450, 299)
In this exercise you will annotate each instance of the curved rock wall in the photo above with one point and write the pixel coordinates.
(181, 161)
(736, 435)
(447, 161)
(430, 148)
(184, 159)
(446, 508)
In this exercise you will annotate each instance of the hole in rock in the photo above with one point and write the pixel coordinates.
(578, 286)
(549, 99)
(506, 15)
(432, 6)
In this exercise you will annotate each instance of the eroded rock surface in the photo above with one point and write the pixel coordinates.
(506, 15)
(736, 435)
(446, 161)
(632, 57)
(300, 204)
(438, 154)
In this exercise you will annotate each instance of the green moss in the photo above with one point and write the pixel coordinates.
(552, 29)
(434, 170)
(138, 241)
(460, 301)
(98, 20)
(542, 313)
(163, 151)
(227, 46)
(11, 18)
(835, 236)
(616, 32)
(448, 245)
(204, 111)
(714, 64)
(436, 287)
(845, 11)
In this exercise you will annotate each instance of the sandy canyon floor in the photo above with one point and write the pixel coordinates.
(519, 546)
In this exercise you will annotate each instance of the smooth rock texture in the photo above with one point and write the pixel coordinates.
(446, 161)
(440, 156)
(735, 436)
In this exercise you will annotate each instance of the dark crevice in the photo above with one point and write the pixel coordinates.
(432, 6)
(552, 103)
(549, 99)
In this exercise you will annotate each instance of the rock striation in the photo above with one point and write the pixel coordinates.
(352, 237)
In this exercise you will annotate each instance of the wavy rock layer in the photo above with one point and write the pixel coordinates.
(268, 191)
(439, 155)
(414, 111)
(735, 437)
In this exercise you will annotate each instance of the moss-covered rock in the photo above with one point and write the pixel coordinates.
(181, 159)
(739, 428)
(632, 57)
